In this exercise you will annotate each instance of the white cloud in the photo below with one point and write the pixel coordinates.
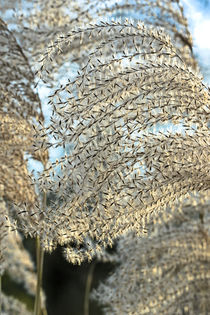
(201, 34)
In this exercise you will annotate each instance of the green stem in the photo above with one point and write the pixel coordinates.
(0, 294)
(88, 288)
(40, 260)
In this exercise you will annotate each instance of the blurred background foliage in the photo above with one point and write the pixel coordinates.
(64, 284)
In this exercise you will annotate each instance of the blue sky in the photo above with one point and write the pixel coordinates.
(198, 15)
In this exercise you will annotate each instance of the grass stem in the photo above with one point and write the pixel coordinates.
(0, 294)
(88, 288)
(40, 261)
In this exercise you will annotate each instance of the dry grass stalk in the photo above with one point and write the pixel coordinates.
(137, 120)
(134, 123)
(167, 273)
